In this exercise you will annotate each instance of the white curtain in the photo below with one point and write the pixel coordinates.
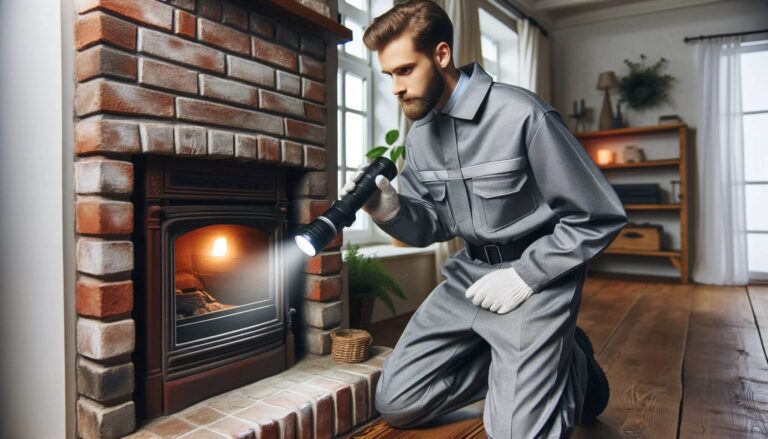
(721, 241)
(533, 55)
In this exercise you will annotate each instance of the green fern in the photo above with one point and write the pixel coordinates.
(367, 277)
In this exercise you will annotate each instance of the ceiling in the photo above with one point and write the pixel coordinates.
(565, 13)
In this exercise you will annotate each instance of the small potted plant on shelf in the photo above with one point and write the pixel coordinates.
(645, 86)
(367, 282)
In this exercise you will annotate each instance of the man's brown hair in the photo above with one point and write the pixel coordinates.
(424, 18)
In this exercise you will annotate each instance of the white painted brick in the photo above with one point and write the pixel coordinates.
(246, 147)
(317, 341)
(99, 340)
(99, 257)
(98, 421)
(101, 176)
(221, 143)
(190, 140)
(156, 138)
(322, 314)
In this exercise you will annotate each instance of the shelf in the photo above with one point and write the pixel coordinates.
(651, 207)
(663, 253)
(294, 12)
(651, 129)
(645, 164)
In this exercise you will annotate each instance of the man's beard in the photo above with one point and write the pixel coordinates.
(417, 107)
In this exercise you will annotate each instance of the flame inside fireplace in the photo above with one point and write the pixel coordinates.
(220, 247)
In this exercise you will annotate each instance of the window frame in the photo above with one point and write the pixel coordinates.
(759, 46)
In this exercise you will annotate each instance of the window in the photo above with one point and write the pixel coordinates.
(754, 70)
(498, 43)
(355, 114)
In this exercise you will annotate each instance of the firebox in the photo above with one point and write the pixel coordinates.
(212, 302)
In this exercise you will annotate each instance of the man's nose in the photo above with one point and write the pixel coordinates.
(397, 88)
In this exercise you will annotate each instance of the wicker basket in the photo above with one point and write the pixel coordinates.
(350, 345)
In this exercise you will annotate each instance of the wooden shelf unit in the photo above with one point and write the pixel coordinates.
(679, 258)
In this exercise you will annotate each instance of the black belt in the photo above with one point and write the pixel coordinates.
(496, 253)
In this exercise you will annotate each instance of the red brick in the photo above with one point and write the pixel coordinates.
(280, 103)
(293, 153)
(99, 135)
(167, 76)
(322, 408)
(103, 299)
(323, 288)
(101, 95)
(218, 114)
(101, 216)
(300, 405)
(324, 263)
(315, 113)
(265, 415)
(209, 9)
(148, 12)
(223, 36)
(104, 61)
(312, 90)
(272, 53)
(184, 23)
(250, 71)
(314, 158)
(313, 184)
(309, 209)
(98, 27)
(217, 88)
(284, 34)
(342, 396)
(314, 46)
(268, 149)
(180, 50)
(246, 146)
(234, 15)
(312, 68)
(305, 131)
(261, 25)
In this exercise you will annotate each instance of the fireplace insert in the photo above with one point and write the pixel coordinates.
(211, 295)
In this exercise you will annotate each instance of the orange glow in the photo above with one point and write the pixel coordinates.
(604, 156)
(220, 247)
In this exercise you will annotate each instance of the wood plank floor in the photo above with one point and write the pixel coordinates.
(685, 361)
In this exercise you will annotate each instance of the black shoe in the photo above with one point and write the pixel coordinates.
(598, 392)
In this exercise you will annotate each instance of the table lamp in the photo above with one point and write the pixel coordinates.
(606, 81)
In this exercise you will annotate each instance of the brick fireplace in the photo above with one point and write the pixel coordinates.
(197, 121)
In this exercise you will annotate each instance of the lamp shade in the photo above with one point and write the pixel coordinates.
(607, 80)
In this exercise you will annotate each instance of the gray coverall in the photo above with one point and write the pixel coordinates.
(498, 166)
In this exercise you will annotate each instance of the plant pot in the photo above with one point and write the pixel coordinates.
(360, 311)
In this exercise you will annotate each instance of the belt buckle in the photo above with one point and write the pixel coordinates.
(488, 254)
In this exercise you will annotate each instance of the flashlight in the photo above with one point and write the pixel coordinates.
(316, 235)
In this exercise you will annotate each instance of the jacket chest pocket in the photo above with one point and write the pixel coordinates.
(439, 193)
(503, 198)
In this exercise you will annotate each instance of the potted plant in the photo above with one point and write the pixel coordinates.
(645, 87)
(367, 282)
(396, 154)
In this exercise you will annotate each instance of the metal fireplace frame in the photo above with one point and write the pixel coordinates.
(175, 195)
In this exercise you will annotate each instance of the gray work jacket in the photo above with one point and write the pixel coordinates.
(500, 164)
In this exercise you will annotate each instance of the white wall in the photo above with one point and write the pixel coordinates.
(581, 52)
(33, 375)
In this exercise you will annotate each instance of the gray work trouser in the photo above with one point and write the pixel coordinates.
(524, 363)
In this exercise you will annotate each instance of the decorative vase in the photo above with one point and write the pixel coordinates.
(361, 311)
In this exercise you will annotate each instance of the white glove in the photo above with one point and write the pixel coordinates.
(501, 291)
(383, 205)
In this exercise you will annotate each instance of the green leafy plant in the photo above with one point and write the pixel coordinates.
(367, 277)
(645, 87)
(395, 151)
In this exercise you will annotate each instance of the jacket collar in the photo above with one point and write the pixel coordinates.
(471, 99)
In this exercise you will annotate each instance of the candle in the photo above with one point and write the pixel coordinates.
(604, 156)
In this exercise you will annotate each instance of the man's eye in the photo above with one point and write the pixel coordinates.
(405, 70)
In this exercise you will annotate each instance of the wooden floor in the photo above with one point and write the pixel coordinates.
(685, 361)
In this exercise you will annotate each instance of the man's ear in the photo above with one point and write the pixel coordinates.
(443, 56)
